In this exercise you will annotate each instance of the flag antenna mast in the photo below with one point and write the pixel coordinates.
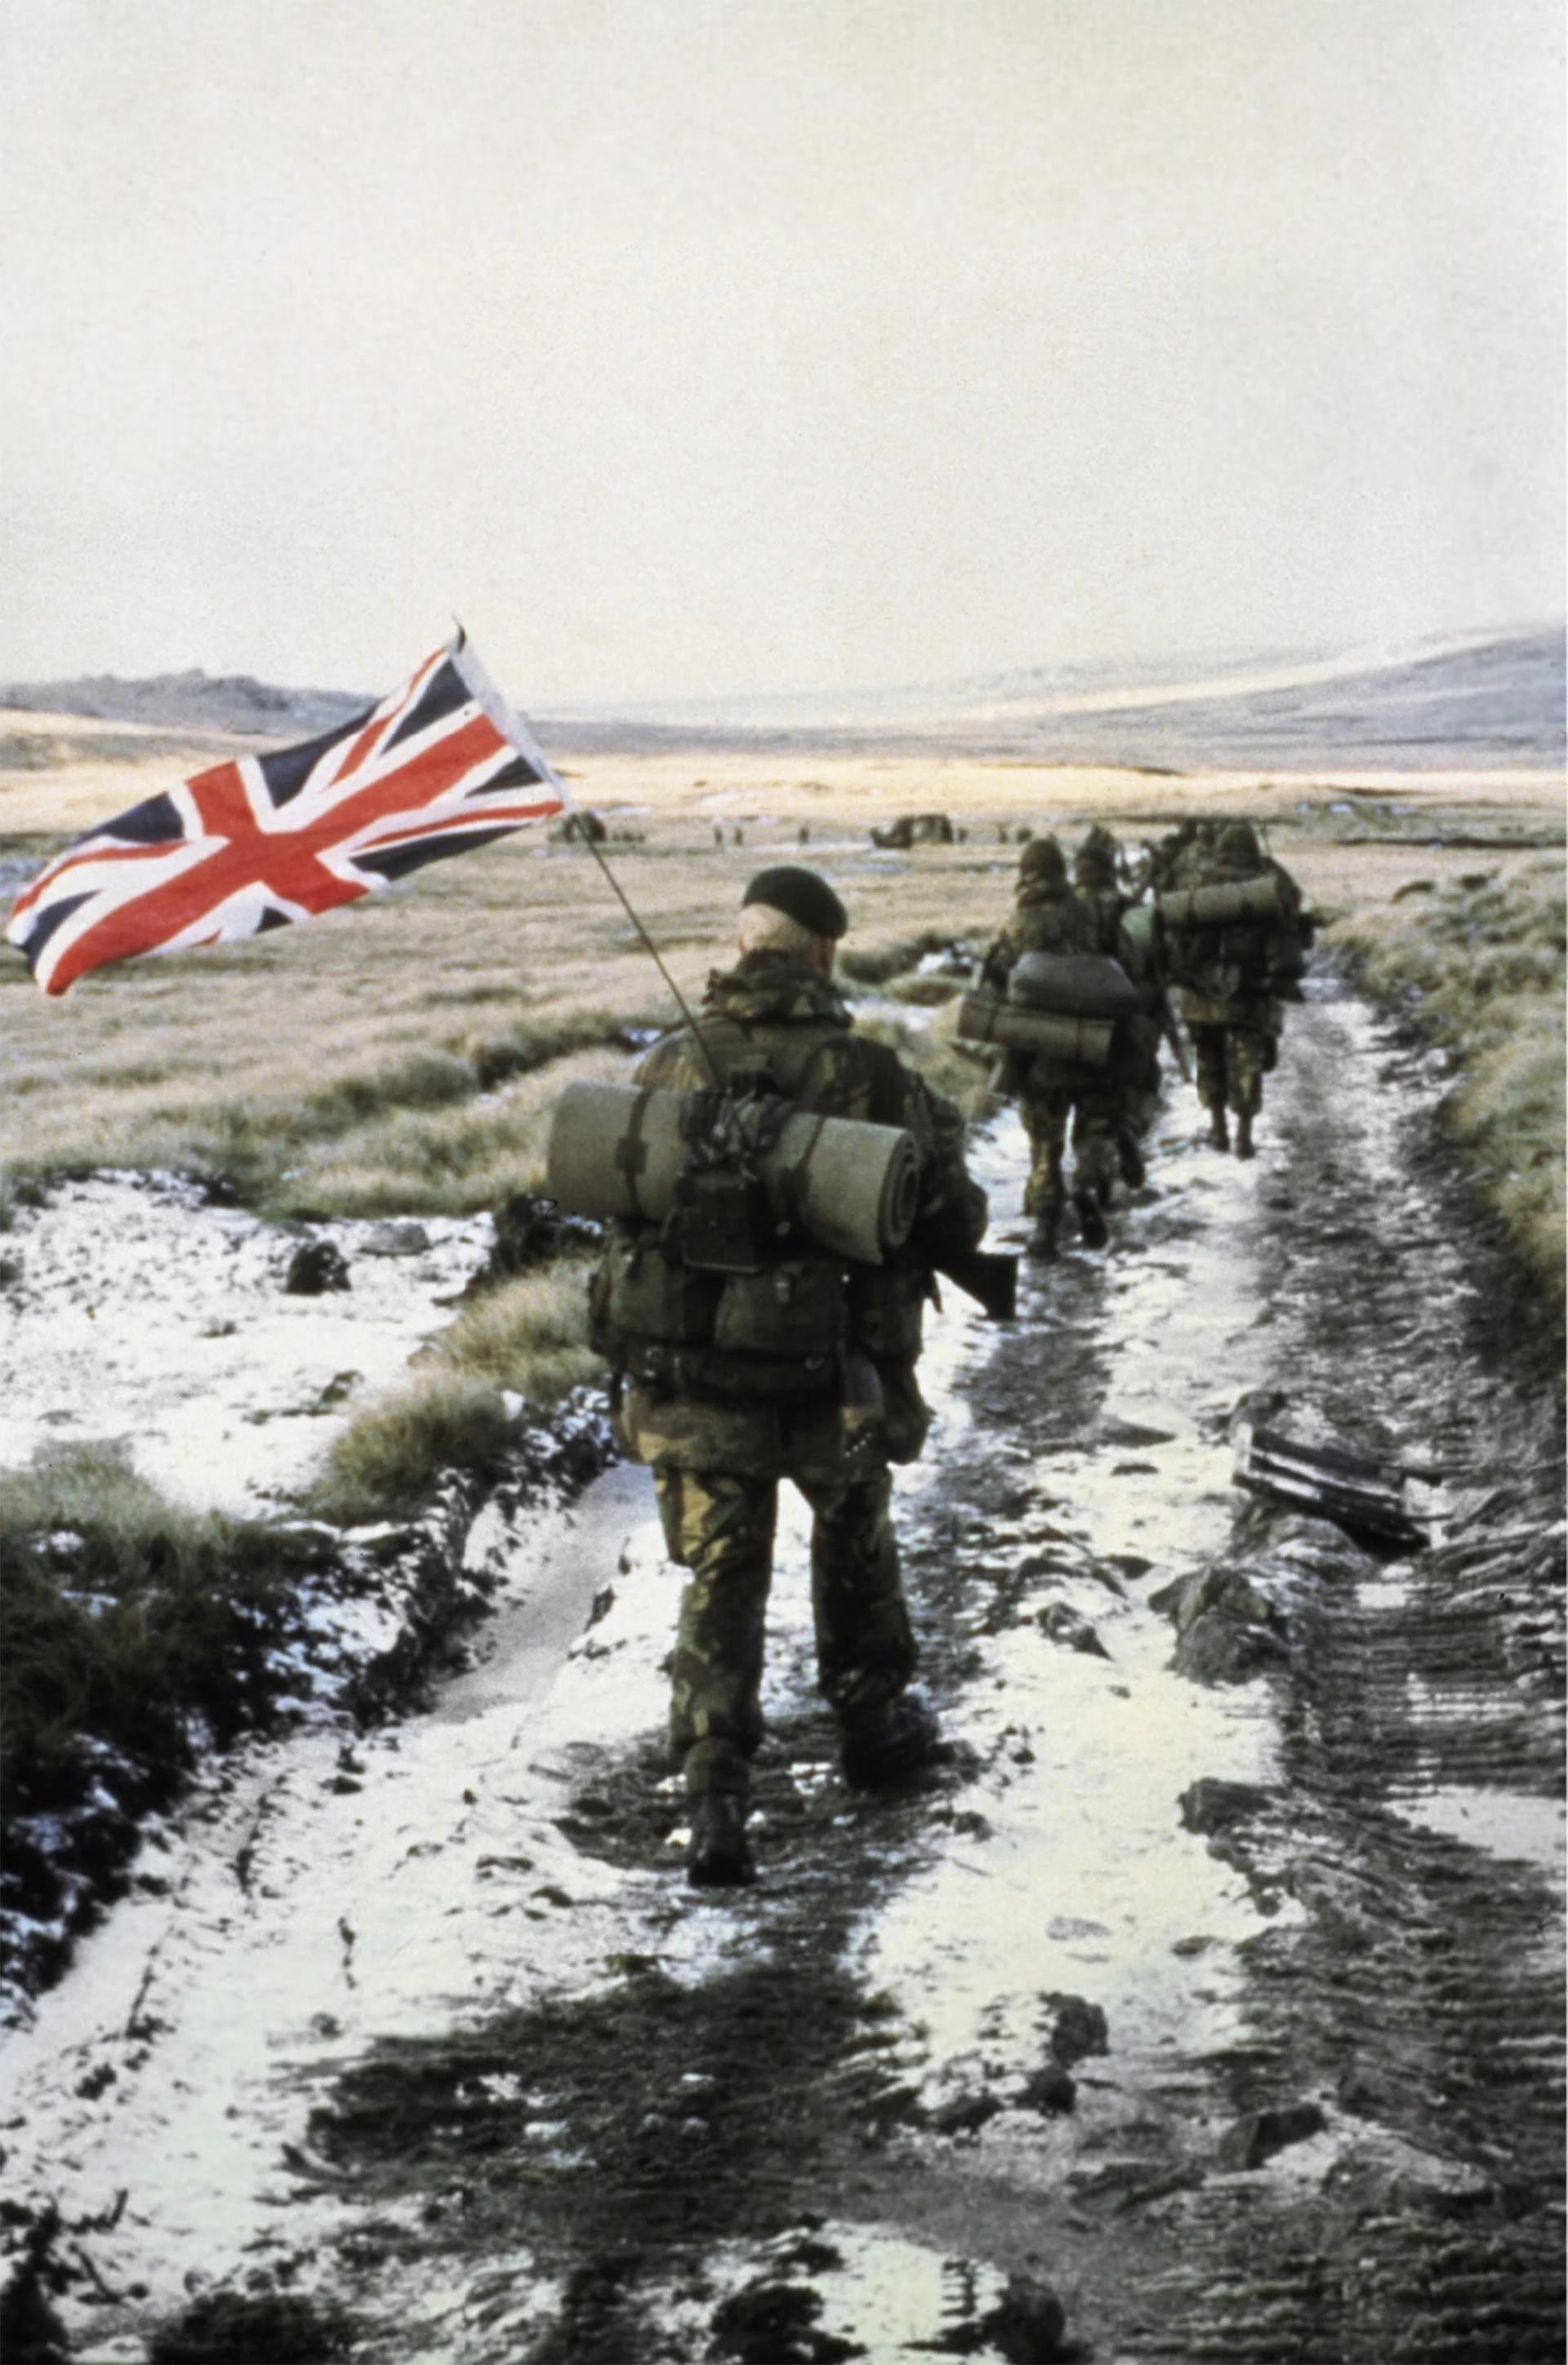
(649, 946)
(578, 831)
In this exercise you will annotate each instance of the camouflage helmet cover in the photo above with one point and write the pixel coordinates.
(1042, 863)
(1239, 846)
(1096, 858)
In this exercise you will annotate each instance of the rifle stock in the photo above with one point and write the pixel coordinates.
(990, 1279)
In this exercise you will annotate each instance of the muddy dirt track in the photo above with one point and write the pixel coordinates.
(1205, 2004)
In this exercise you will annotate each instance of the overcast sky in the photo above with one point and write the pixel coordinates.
(698, 346)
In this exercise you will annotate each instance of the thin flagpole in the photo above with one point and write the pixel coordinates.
(580, 832)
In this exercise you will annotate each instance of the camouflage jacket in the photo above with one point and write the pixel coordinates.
(810, 1328)
(1244, 963)
(1045, 920)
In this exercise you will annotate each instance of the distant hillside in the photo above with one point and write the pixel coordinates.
(1472, 702)
(192, 701)
(1477, 701)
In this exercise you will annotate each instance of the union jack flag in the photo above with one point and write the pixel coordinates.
(438, 766)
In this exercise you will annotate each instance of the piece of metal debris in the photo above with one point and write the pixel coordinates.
(1359, 1491)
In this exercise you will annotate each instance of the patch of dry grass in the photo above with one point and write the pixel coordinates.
(1482, 967)
(391, 1456)
(123, 1615)
(528, 1338)
(529, 1335)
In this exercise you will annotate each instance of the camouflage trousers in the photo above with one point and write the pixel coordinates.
(1095, 1116)
(1231, 1063)
(720, 1525)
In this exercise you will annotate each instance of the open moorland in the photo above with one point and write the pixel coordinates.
(185, 1444)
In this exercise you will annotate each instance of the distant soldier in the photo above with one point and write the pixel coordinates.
(803, 1368)
(1122, 1102)
(1050, 918)
(1234, 975)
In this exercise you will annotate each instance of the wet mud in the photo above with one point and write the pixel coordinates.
(1205, 2001)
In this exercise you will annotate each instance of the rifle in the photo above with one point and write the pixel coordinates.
(991, 1280)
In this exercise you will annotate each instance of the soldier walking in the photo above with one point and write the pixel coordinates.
(802, 1369)
(1122, 1101)
(1049, 918)
(1234, 977)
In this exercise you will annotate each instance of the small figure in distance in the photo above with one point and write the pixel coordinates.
(803, 1368)
(1049, 918)
(1235, 977)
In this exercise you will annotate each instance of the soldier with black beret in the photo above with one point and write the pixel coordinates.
(802, 1369)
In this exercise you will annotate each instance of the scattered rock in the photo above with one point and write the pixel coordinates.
(396, 1240)
(1132, 1432)
(530, 1231)
(1027, 2322)
(1384, 2175)
(1078, 2027)
(1226, 1629)
(1071, 1627)
(1131, 1565)
(1210, 1805)
(1255, 2139)
(316, 1267)
(965, 2114)
(1051, 2090)
(914, 829)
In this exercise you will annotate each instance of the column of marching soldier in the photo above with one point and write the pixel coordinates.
(1205, 912)
(740, 1359)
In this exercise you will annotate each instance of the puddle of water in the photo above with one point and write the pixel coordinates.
(1508, 1823)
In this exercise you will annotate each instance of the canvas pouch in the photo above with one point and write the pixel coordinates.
(795, 1309)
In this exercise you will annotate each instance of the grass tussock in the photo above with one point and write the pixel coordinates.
(530, 1335)
(528, 1338)
(1484, 967)
(388, 1460)
(123, 1616)
(453, 1161)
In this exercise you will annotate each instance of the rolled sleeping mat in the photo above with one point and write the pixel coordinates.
(1072, 985)
(1215, 907)
(1139, 941)
(615, 1150)
(983, 1019)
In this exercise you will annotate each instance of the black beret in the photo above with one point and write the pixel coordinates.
(802, 895)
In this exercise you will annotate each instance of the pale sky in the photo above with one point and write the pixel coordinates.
(690, 347)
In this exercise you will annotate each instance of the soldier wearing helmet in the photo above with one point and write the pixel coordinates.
(1118, 1108)
(1235, 977)
(1049, 918)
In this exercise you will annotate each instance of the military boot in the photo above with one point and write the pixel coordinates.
(1219, 1132)
(1043, 1238)
(1134, 1171)
(1091, 1222)
(720, 1856)
(882, 1750)
(1244, 1135)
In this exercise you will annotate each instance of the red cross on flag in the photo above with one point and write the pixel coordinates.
(438, 766)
